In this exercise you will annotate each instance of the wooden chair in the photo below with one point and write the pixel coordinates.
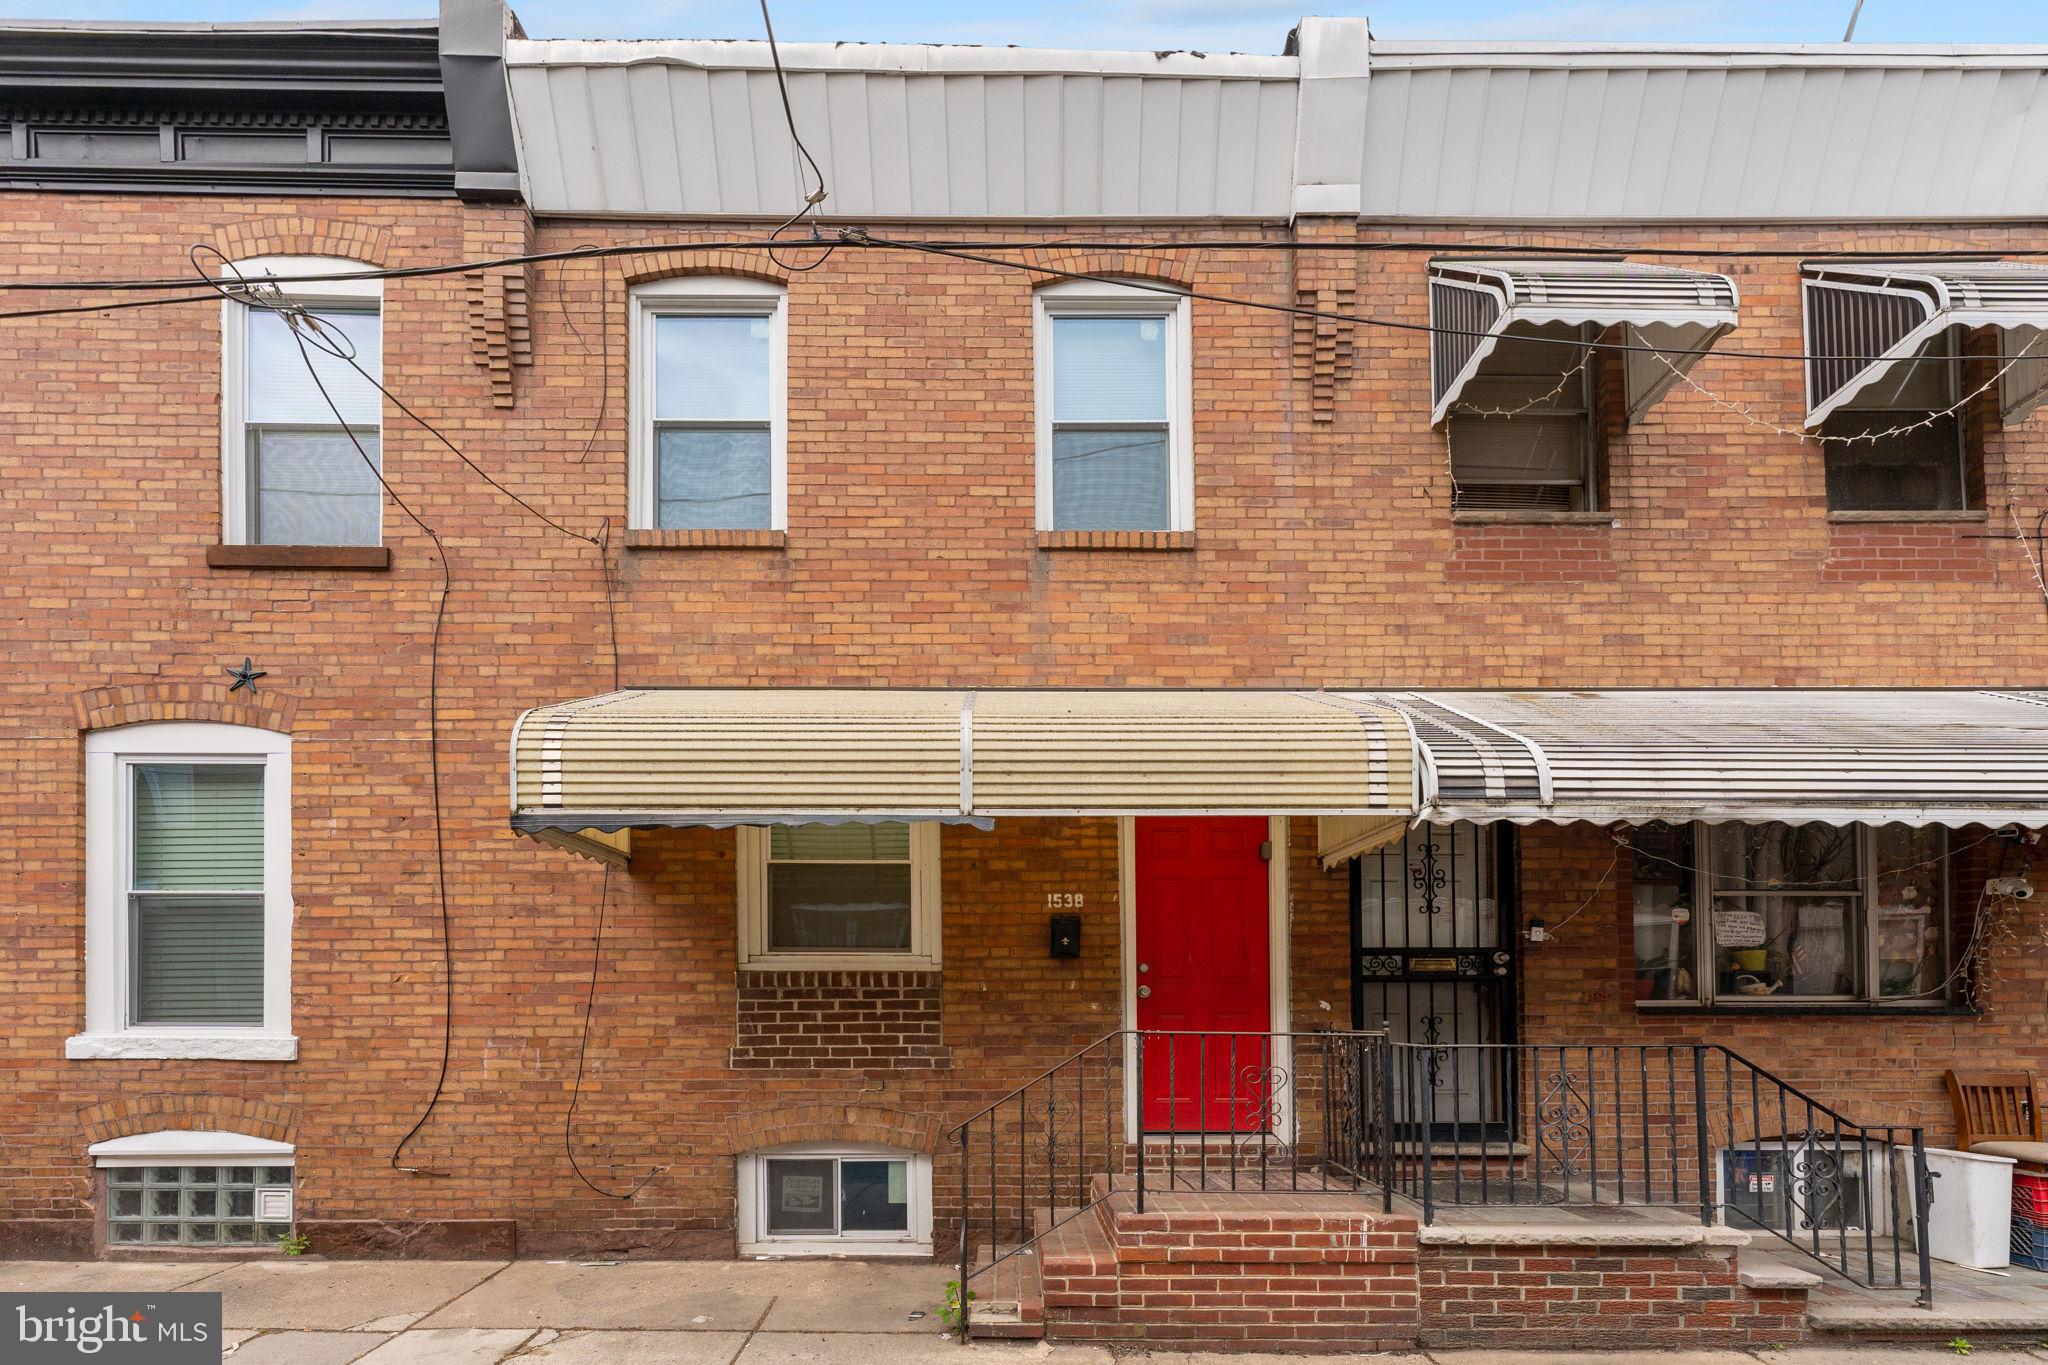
(1997, 1114)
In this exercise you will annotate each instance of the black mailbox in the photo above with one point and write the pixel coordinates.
(1066, 935)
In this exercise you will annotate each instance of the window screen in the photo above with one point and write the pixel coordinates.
(1536, 457)
(309, 484)
(1917, 470)
(1111, 436)
(193, 1206)
(195, 895)
(839, 888)
(713, 421)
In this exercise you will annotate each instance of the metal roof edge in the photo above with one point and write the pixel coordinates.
(909, 59)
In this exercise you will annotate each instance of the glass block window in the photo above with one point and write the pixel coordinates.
(192, 1206)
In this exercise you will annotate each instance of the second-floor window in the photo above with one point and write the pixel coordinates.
(1918, 461)
(708, 396)
(1113, 409)
(1521, 434)
(301, 435)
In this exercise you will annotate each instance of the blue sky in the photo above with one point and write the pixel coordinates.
(1240, 25)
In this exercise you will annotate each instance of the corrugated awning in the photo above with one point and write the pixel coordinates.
(1927, 757)
(1679, 314)
(652, 758)
(1863, 319)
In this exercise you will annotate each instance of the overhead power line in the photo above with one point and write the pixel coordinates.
(861, 239)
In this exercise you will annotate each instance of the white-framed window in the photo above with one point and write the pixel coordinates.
(293, 466)
(835, 1200)
(188, 893)
(708, 376)
(1114, 409)
(839, 896)
(195, 1189)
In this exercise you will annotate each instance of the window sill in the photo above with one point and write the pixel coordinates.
(1855, 518)
(649, 539)
(201, 1047)
(1853, 1008)
(1475, 516)
(850, 1250)
(360, 557)
(1116, 540)
(841, 962)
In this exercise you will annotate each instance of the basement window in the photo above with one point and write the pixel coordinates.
(835, 1201)
(195, 1190)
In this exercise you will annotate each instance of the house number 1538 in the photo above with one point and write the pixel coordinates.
(1063, 900)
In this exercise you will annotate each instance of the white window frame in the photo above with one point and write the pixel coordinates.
(234, 367)
(713, 295)
(1105, 298)
(110, 755)
(756, 955)
(753, 1205)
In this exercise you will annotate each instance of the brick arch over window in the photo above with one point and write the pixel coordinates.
(189, 1113)
(829, 1123)
(727, 261)
(1161, 267)
(103, 708)
(301, 236)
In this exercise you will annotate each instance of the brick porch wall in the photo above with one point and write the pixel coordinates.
(1593, 1298)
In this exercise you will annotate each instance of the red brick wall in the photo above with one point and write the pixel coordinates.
(1589, 1298)
(1322, 554)
(835, 1020)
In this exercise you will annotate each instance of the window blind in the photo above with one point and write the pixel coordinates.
(280, 390)
(711, 368)
(851, 843)
(1110, 479)
(1109, 369)
(718, 478)
(198, 827)
(198, 959)
(315, 488)
(195, 945)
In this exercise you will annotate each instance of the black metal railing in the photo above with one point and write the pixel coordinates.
(1692, 1127)
(1219, 1112)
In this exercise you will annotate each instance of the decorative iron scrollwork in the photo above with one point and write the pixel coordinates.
(1563, 1122)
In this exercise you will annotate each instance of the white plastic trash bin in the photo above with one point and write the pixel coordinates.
(1970, 1222)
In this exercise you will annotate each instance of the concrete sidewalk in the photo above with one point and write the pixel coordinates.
(315, 1312)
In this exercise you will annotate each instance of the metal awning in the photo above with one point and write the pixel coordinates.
(1473, 304)
(1918, 757)
(584, 770)
(1863, 318)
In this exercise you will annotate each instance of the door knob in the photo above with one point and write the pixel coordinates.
(1144, 992)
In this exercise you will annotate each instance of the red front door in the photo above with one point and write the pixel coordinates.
(1203, 961)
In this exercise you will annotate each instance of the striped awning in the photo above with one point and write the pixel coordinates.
(649, 758)
(1677, 315)
(1864, 318)
(1918, 757)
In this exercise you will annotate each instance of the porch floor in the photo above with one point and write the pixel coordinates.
(2011, 1300)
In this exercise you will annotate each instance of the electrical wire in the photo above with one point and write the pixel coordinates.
(816, 196)
(858, 237)
(582, 1055)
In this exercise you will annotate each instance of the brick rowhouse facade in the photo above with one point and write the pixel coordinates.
(1325, 552)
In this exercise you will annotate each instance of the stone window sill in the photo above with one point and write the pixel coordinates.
(1116, 540)
(358, 557)
(1856, 1008)
(649, 539)
(201, 1047)
(1474, 516)
(1866, 518)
